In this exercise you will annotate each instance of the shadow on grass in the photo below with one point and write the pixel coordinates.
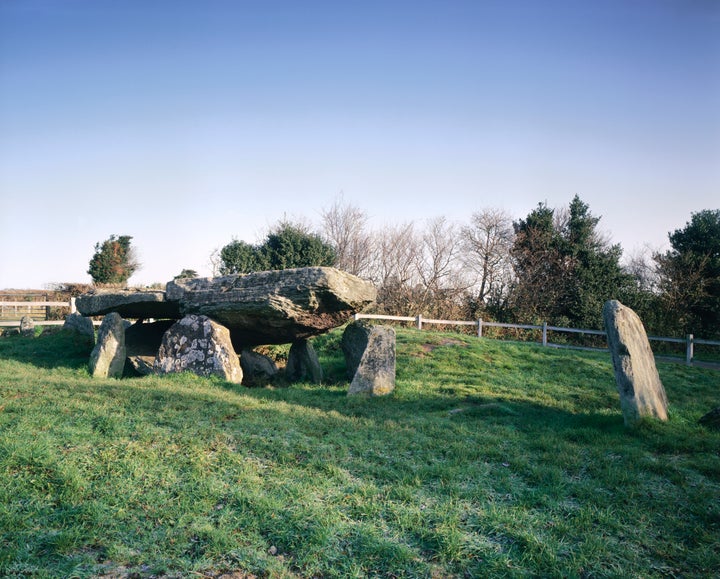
(58, 349)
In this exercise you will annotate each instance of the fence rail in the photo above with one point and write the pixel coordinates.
(690, 341)
(11, 312)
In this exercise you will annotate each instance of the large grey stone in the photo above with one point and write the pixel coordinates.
(128, 303)
(80, 325)
(641, 391)
(370, 358)
(257, 368)
(198, 344)
(267, 307)
(27, 326)
(107, 359)
(275, 307)
(303, 363)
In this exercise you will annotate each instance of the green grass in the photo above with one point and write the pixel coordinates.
(490, 459)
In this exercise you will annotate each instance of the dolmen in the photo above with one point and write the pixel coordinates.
(229, 313)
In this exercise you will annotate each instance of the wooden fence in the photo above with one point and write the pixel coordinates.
(690, 341)
(12, 312)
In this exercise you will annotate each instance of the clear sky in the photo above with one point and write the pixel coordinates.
(188, 123)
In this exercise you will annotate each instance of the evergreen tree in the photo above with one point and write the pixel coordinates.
(287, 246)
(564, 270)
(690, 275)
(114, 261)
(241, 257)
(290, 245)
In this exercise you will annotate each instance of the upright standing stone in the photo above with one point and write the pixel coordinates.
(81, 325)
(27, 326)
(256, 367)
(107, 359)
(199, 345)
(638, 383)
(303, 363)
(370, 358)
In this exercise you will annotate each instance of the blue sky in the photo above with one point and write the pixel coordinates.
(189, 123)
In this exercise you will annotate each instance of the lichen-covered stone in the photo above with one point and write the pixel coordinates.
(641, 391)
(107, 359)
(199, 345)
(275, 307)
(27, 326)
(267, 307)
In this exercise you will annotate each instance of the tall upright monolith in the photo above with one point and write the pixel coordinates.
(641, 391)
(107, 360)
(370, 358)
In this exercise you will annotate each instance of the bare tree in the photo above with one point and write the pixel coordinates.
(345, 228)
(394, 268)
(643, 269)
(440, 268)
(488, 241)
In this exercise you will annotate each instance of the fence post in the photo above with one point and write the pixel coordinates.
(544, 334)
(73, 308)
(418, 321)
(689, 350)
(479, 327)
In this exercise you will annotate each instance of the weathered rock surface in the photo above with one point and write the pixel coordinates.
(27, 326)
(268, 307)
(80, 325)
(198, 344)
(711, 419)
(370, 358)
(127, 303)
(107, 359)
(641, 391)
(303, 363)
(257, 368)
(275, 307)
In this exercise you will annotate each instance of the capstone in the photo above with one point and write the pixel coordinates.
(128, 303)
(275, 307)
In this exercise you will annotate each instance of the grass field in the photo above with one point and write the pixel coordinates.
(491, 459)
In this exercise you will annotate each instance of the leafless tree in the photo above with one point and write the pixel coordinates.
(345, 228)
(440, 268)
(488, 241)
(394, 267)
(642, 267)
